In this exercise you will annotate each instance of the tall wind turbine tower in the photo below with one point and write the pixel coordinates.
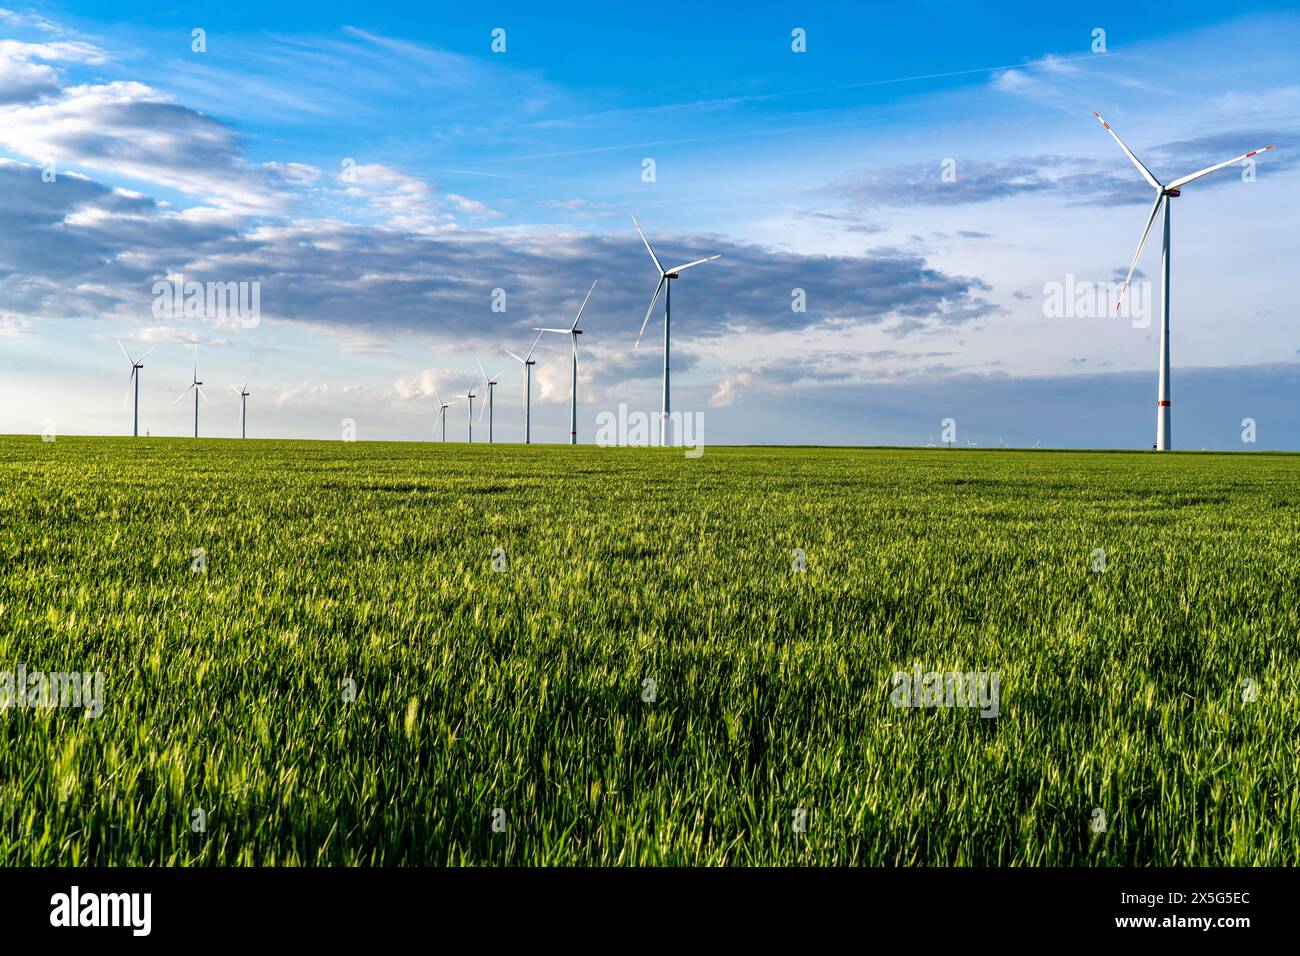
(490, 384)
(1164, 438)
(134, 380)
(196, 385)
(243, 409)
(573, 332)
(470, 395)
(442, 412)
(665, 280)
(528, 363)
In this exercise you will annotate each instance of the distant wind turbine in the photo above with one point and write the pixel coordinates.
(1164, 438)
(134, 379)
(490, 384)
(665, 285)
(442, 412)
(243, 408)
(528, 363)
(198, 390)
(573, 332)
(470, 395)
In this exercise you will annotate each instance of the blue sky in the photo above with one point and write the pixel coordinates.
(925, 173)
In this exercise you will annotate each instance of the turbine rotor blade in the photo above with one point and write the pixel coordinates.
(1155, 209)
(653, 299)
(564, 331)
(1187, 179)
(513, 356)
(534, 348)
(584, 305)
(658, 264)
(481, 370)
(124, 351)
(1146, 173)
(184, 393)
(142, 357)
(695, 263)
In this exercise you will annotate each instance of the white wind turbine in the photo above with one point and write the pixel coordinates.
(573, 332)
(134, 379)
(665, 279)
(442, 412)
(528, 363)
(470, 395)
(490, 384)
(1164, 193)
(198, 390)
(243, 394)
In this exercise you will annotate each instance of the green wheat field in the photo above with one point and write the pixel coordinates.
(347, 680)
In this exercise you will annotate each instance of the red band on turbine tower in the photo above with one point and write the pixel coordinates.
(1163, 404)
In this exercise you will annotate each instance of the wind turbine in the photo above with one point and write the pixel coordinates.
(573, 332)
(196, 385)
(134, 378)
(528, 363)
(1164, 193)
(490, 384)
(665, 279)
(442, 412)
(470, 396)
(243, 408)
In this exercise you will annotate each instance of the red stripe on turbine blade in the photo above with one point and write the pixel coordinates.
(1251, 153)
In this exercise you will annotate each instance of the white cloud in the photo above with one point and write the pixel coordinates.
(421, 385)
(28, 18)
(302, 393)
(729, 389)
(26, 73)
(127, 129)
(12, 326)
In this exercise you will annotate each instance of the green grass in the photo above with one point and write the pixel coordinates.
(524, 690)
